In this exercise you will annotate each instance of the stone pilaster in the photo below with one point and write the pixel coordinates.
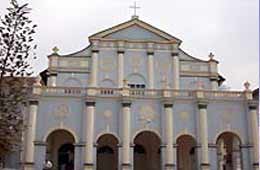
(176, 70)
(120, 69)
(126, 132)
(203, 129)
(252, 109)
(89, 153)
(169, 152)
(94, 68)
(52, 80)
(214, 83)
(30, 135)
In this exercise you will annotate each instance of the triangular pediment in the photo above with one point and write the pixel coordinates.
(135, 29)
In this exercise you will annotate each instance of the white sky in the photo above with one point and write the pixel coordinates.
(228, 28)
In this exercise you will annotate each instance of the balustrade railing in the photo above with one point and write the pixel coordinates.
(115, 92)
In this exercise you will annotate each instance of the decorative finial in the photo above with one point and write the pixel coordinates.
(135, 7)
(125, 83)
(55, 50)
(211, 56)
(247, 85)
(38, 81)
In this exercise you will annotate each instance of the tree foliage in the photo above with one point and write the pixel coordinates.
(16, 55)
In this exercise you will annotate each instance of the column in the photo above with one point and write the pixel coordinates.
(126, 132)
(120, 69)
(176, 70)
(254, 134)
(169, 155)
(94, 69)
(30, 135)
(150, 70)
(203, 128)
(89, 156)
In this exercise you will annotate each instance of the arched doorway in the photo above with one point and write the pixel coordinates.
(147, 153)
(186, 153)
(229, 152)
(107, 153)
(60, 150)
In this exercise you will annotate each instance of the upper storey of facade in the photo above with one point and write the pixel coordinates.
(136, 54)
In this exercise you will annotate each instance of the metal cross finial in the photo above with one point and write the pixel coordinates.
(135, 7)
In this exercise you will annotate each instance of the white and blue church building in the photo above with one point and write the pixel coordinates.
(134, 100)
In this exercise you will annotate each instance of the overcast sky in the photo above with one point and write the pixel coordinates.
(228, 28)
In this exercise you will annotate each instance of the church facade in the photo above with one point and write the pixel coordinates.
(134, 100)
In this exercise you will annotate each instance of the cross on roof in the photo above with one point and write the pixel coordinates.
(135, 7)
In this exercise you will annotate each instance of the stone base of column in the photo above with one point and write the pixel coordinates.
(28, 166)
(126, 166)
(205, 166)
(256, 166)
(88, 166)
(169, 166)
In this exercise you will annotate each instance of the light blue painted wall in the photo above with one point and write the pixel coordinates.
(135, 33)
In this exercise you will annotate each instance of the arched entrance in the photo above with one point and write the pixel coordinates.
(60, 150)
(147, 153)
(186, 153)
(107, 153)
(229, 152)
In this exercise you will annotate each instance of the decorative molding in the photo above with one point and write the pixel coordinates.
(33, 102)
(202, 105)
(126, 104)
(90, 103)
(175, 54)
(95, 51)
(168, 105)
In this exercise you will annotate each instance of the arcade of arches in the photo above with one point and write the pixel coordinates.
(147, 151)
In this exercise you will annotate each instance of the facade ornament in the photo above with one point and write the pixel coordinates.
(61, 113)
(134, 7)
(136, 63)
(146, 116)
(38, 81)
(211, 56)
(107, 64)
(163, 66)
(184, 116)
(247, 86)
(108, 116)
(55, 50)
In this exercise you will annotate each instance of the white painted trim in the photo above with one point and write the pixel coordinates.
(233, 131)
(108, 133)
(51, 130)
(185, 134)
(137, 132)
